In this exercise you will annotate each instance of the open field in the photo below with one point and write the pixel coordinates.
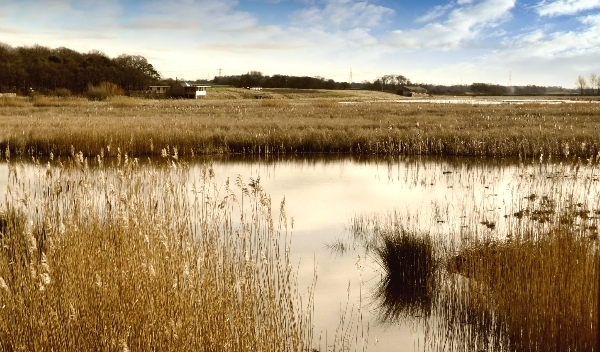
(232, 121)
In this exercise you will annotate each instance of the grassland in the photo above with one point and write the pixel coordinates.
(139, 257)
(231, 121)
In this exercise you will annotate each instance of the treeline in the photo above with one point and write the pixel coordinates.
(493, 89)
(257, 79)
(41, 69)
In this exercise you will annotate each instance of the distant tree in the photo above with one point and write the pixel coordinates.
(529, 90)
(488, 89)
(391, 82)
(46, 70)
(581, 84)
(593, 81)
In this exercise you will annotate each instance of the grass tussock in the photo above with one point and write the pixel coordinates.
(324, 103)
(124, 102)
(12, 102)
(274, 103)
(409, 265)
(142, 258)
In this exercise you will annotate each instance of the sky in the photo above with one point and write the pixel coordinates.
(521, 42)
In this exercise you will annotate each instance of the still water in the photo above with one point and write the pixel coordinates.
(322, 195)
(448, 198)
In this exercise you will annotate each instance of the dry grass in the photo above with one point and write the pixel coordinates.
(124, 102)
(47, 101)
(533, 286)
(244, 125)
(138, 257)
(10, 102)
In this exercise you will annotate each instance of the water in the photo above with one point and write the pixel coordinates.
(323, 194)
(444, 197)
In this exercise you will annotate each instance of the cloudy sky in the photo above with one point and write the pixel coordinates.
(543, 42)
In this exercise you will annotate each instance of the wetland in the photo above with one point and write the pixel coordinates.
(231, 224)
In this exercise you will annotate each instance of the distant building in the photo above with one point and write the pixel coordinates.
(159, 89)
(187, 90)
(180, 89)
(413, 91)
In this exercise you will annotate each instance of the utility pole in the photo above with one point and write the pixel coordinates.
(350, 77)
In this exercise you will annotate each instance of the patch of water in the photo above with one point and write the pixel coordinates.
(441, 196)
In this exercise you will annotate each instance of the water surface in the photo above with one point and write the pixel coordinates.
(448, 198)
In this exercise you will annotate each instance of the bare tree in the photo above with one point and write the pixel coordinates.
(593, 81)
(581, 83)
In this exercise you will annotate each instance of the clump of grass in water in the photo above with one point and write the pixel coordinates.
(408, 287)
(541, 294)
(136, 258)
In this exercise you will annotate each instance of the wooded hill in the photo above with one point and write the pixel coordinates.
(45, 70)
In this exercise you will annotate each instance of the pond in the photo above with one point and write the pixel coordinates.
(448, 198)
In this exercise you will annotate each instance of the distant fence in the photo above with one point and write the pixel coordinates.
(8, 95)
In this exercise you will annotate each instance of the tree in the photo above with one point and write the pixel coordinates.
(581, 84)
(593, 80)
(488, 89)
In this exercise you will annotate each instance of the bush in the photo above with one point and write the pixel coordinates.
(62, 92)
(111, 88)
(96, 93)
(103, 91)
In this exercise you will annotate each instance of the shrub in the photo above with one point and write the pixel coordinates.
(111, 88)
(62, 92)
(96, 93)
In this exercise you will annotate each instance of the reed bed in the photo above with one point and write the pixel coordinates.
(530, 283)
(99, 254)
(284, 126)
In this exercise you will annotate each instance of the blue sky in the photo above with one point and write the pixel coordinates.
(543, 42)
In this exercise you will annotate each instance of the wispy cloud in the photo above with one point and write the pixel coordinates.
(342, 14)
(436, 12)
(464, 23)
(565, 7)
(558, 44)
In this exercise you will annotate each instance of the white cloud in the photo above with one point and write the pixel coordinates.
(560, 43)
(436, 12)
(342, 14)
(565, 7)
(463, 24)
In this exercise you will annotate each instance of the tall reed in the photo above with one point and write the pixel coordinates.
(531, 283)
(141, 257)
(300, 125)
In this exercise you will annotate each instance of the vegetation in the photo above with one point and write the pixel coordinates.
(409, 266)
(39, 69)
(131, 257)
(530, 286)
(316, 123)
